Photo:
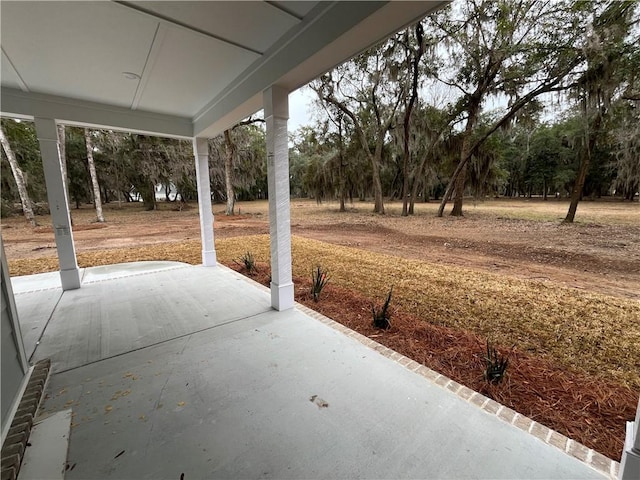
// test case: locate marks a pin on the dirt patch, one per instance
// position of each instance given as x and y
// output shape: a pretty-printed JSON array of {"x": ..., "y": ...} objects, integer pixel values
[
  {"x": 76, "y": 228},
  {"x": 589, "y": 257},
  {"x": 517, "y": 238}
]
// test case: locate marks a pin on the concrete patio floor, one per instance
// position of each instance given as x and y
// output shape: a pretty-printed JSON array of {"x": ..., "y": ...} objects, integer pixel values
[{"x": 174, "y": 370}]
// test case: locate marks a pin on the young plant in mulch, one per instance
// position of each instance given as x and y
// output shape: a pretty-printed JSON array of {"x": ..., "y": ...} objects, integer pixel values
[
  {"x": 496, "y": 365},
  {"x": 382, "y": 318},
  {"x": 319, "y": 278},
  {"x": 247, "y": 262}
]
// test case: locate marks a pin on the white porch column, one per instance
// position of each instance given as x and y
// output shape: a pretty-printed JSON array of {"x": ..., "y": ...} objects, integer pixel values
[
  {"x": 47, "y": 133},
  {"x": 276, "y": 114},
  {"x": 201, "y": 153},
  {"x": 630, "y": 462}
]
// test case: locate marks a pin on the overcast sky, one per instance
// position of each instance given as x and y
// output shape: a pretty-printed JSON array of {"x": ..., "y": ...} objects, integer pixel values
[{"x": 300, "y": 108}]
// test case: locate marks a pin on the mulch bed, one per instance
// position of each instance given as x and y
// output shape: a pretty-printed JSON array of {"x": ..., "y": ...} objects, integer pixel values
[{"x": 588, "y": 409}]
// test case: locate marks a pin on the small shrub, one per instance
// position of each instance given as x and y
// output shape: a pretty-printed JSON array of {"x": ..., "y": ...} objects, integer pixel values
[
  {"x": 319, "y": 279},
  {"x": 381, "y": 318},
  {"x": 247, "y": 262},
  {"x": 496, "y": 365}
]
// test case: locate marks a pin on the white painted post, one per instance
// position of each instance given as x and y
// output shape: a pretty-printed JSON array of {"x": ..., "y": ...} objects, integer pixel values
[
  {"x": 276, "y": 115},
  {"x": 630, "y": 462},
  {"x": 201, "y": 153},
  {"x": 47, "y": 133}
]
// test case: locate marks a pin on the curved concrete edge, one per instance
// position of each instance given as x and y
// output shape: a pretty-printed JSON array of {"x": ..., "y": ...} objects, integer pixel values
[
  {"x": 51, "y": 280},
  {"x": 129, "y": 269},
  {"x": 588, "y": 456}
]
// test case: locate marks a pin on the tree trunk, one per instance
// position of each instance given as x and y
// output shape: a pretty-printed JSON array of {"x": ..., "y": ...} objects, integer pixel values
[
  {"x": 417, "y": 180},
  {"x": 585, "y": 154},
  {"x": 27, "y": 208},
  {"x": 228, "y": 168},
  {"x": 576, "y": 193},
  {"x": 94, "y": 177},
  {"x": 378, "y": 206},
  {"x": 62, "y": 148},
  {"x": 147, "y": 191},
  {"x": 376, "y": 157},
  {"x": 458, "y": 193},
  {"x": 407, "y": 119},
  {"x": 405, "y": 178},
  {"x": 342, "y": 182},
  {"x": 459, "y": 177}
]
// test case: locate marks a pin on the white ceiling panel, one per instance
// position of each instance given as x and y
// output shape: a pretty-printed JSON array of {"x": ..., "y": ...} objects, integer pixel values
[
  {"x": 199, "y": 66},
  {"x": 298, "y": 8},
  {"x": 10, "y": 77},
  {"x": 193, "y": 68},
  {"x": 77, "y": 49},
  {"x": 255, "y": 25}
]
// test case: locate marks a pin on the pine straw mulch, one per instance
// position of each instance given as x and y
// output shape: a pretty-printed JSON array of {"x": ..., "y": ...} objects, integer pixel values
[
  {"x": 589, "y": 410},
  {"x": 575, "y": 365}
]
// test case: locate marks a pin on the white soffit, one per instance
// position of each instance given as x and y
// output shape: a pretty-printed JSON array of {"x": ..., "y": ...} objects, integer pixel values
[
  {"x": 193, "y": 68},
  {"x": 253, "y": 25},
  {"x": 76, "y": 49}
]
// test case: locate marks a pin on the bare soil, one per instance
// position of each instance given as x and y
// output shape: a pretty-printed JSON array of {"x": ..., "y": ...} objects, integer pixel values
[{"x": 521, "y": 239}]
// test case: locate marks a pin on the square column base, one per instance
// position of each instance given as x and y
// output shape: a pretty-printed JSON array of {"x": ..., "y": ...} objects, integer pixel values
[
  {"x": 630, "y": 463},
  {"x": 70, "y": 279},
  {"x": 282, "y": 296},
  {"x": 209, "y": 258}
]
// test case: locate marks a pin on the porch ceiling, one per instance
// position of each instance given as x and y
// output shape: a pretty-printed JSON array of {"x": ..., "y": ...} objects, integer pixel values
[{"x": 198, "y": 66}]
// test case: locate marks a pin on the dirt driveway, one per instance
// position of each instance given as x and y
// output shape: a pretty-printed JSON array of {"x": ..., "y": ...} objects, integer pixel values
[{"x": 523, "y": 239}]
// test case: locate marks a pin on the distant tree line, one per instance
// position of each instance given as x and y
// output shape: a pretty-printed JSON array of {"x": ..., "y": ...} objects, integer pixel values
[
  {"x": 131, "y": 167},
  {"x": 497, "y": 98}
]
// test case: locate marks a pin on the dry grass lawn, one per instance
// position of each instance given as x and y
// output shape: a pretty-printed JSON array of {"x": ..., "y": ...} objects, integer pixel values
[{"x": 589, "y": 332}]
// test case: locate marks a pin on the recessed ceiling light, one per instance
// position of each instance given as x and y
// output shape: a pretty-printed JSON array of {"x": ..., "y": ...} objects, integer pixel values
[{"x": 131, "y": 76}]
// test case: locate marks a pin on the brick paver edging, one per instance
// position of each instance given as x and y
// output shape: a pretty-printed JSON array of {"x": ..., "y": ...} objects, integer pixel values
[
  {"x": 595, "y": 460},
  {"x": 18, "y": 436}
]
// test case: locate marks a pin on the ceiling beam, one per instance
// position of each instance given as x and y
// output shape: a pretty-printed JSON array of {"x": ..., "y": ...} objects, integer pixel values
[
  {"x": 284, "y": 10},
  {"x": 183, "y": 25},
  {"x": 152, "y": 56},
  {"x": 15, "y": 103},
  {"x": 20, "y": 80}
]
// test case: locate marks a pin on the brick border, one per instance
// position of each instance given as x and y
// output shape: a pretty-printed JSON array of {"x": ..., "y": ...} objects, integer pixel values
[
  {"x": 590, "y": 457},
  {"x": 18, "y": 436}
]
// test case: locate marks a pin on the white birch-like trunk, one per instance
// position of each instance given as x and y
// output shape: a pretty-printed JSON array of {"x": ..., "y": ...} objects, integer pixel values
[
  {"x": 94, "y": 178},
  {"x": 228, "y": 168},
  {"x": 19, "y": 178},
  {"x": 62, "y": 148}
]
